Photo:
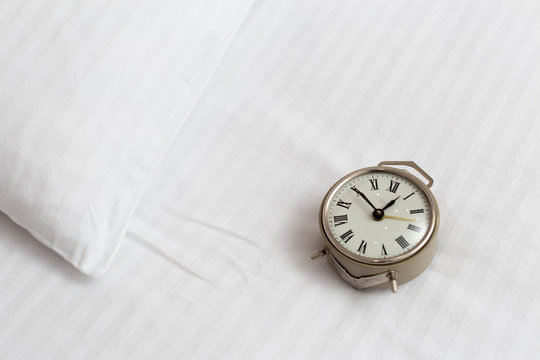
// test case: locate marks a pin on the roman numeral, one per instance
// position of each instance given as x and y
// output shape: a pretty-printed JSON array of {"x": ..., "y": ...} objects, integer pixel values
[
  {"x": 408, "y": 196},
  {"x": 383, "y": 251},
  {"x": 374, "y": 184},
  {"x": 417, "y": 211},
  {"x": 347, "y": 236},
  {"x": 340, "y": 219},
  {"x": 358, "y": 192},
  {"x": 362, "y": 247},
  {"x": 344, "y": 204},
  {"x": 393, "y": 186},
  {"x": 414, "y": 228},
  {"x": 402, "y": 242}
]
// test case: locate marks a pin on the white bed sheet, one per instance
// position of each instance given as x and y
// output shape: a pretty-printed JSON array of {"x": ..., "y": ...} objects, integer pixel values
[{"x": 216, "y": 261}]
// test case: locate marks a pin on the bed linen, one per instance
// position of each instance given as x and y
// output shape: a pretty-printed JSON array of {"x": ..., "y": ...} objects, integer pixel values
[
  {"x": 215, "y": 263},
  {"x": 89, "y": 108}
]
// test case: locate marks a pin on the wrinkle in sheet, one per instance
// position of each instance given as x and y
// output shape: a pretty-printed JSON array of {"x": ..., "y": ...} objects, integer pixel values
[
  {"x": 156, "y": 250},
  {"x": 214, "y": 228},
  {"x": 221, "y": 266},
  {"x": 229, "y": 258}
]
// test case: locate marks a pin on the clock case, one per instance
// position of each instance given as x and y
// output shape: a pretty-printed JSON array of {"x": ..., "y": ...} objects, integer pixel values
[{"x": 361, "y": 272}]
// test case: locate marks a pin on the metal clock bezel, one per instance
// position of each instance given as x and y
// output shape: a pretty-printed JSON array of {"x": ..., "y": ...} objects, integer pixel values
[{"x": 325, "y": 226}]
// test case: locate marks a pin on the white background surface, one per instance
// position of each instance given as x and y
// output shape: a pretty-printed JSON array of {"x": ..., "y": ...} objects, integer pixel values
[{"x": 216, "y": 261}]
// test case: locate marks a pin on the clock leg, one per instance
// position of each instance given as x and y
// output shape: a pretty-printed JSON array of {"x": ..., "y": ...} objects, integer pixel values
[{"x": 392, "y": 275}]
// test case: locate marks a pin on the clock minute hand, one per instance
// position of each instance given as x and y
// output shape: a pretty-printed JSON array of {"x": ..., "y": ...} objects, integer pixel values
[
  {"x": 364, "y": 197},
  {"x": 390, "y": 204},
  {"x": 369, "y": 202}
]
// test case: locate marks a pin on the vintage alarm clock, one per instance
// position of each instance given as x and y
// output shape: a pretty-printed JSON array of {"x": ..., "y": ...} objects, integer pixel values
[{"x": 379, "y": 225}]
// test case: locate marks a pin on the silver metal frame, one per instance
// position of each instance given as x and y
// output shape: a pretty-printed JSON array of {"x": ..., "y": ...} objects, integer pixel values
[
  {"x": 382, "y": 167},
  {"x": 367, "y": 281}
]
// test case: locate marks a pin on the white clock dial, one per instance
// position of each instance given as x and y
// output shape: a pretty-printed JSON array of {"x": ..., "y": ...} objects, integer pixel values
[{"x": 378, "y": 215}]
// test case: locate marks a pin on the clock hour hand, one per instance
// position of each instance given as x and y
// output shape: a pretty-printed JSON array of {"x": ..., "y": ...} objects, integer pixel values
[{"x": 390, "y": 204}]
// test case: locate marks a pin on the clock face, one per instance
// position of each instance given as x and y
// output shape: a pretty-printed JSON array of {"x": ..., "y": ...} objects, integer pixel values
[{"x": 378, "y": 215}]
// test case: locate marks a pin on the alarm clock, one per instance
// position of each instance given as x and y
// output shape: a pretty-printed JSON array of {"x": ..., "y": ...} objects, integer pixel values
[{"x": 379, "y": 225}]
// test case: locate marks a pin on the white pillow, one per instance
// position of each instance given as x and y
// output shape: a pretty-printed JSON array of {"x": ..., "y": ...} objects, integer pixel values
[{"x": 91, "y": 95}]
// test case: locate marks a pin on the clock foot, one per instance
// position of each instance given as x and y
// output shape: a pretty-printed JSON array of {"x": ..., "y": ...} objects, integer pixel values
[{"x": 392, "y": 275}]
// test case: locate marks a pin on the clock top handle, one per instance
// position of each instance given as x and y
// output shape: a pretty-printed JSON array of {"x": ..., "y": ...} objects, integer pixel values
[{"x": 411, "y": 164}]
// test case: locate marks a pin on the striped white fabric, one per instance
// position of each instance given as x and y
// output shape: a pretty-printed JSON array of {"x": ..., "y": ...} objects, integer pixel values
[{"x": 216, "y": 262}]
